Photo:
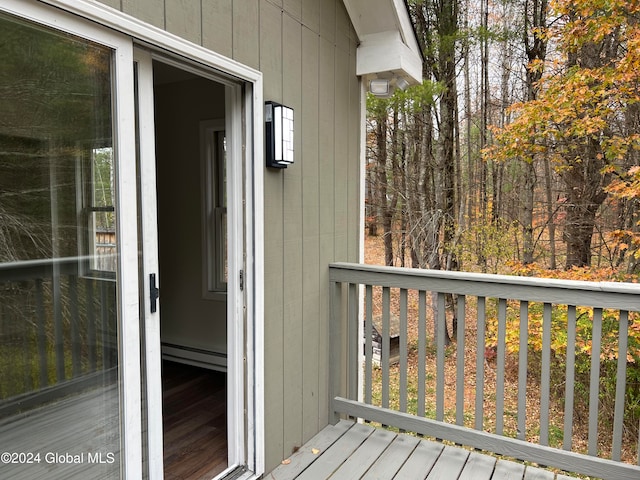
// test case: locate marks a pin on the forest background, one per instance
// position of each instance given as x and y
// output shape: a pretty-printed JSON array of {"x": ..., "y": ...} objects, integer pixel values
[{"x": 518, "y": 154}]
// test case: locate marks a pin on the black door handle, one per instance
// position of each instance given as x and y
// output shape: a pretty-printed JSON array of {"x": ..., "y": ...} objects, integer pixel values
[{"x": 154, "y": 293}]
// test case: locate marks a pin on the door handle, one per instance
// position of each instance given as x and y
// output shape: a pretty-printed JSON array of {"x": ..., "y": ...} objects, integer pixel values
[{"x": 154, "y": 293}]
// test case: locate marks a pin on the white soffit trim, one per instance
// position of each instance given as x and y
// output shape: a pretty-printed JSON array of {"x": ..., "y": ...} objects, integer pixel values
[
  {"x": 388, "y": 45},
  {"x": 385, "y": 52}
]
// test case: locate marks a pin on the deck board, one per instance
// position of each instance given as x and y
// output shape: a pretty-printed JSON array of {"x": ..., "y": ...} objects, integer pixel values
[
  {"x": 478, "y": 467},
  {"x": 449, "y": 465},
  {"x": 337, "y": 454},
  {"x": 355, "y": 451},
  {"x": 421, "y": 460},
  {"x": 532, "y": 473},
  {"x": 310, "y": 452},
  {"x": 392, "y": 459},
  {"x": 358, "y": 463},
  {"x": 506, "y": 470}
]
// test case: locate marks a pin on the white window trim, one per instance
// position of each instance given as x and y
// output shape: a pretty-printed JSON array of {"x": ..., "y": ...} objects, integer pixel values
[
  {"x": 213, "y": 252},
  {"x": 253, "y": 99}
]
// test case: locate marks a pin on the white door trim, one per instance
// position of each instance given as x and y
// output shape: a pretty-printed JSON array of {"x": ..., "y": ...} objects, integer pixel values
[
  {"x": 235, "y": 300},
  {"x": 149, "y": 223}
]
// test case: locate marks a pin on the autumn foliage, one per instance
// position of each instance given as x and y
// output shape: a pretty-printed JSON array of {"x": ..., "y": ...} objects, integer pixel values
[
  {"x": 585, "y": 117},
  {"x": 585, "y": 122}
]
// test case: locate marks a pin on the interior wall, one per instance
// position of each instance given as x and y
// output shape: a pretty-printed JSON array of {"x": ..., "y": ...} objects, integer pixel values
[{"x": 186, "y": 319}]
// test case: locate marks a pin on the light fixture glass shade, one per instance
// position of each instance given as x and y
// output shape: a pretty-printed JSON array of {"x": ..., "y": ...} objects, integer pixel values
[
  {"x": 402, "y": 83},
  {"x": 279, "y": 137},
  {"x": 379, "y": 87}
]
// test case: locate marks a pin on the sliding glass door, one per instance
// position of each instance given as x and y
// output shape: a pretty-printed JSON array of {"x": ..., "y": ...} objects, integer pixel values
[{"x": 62, "y": 252}]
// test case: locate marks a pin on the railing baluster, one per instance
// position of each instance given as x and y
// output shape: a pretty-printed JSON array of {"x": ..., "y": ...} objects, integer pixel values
[
  {"x": 502, "y": 328},
  {"x": 442, "y": 329},
  {"x": 352, "y": 342},
  {"x": 403, "y": 350},
  {"x": 479, "y": 412},
  {"x": 545, "y": 380},
  {"x": 27, "y": 355},
  {"x": 594, "y": 383},
  {"x": 42, "y": 335},
  {"x": 523, "y": 369},
  {"x": 104, "y": 325},
  {"x": 75, "y": 327},
  {"x": 621, "y": 382},
  {"x": 570, "y": 376},
  {"x": 422, "y": 351},
  {"x": 384, "y": 360},
  {"x": 58, "y": 328},
  {"x": 460, "y": 349},
  {"x": 91, "y": 325},
  {"x": 368, "y": 345}
]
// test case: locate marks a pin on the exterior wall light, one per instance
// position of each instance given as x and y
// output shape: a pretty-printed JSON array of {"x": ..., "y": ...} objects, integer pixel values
[
  {"x": 379, "y": 87},
  {"x": 401, "y": 83},
  {"x": 278, "y": 135}
]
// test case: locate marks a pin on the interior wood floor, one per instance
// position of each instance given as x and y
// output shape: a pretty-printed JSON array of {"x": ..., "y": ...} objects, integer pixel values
[{"x": 194, "y": 421}]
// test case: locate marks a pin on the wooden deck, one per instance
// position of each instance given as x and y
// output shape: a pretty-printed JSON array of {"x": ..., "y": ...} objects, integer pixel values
[
  {"x": 80, "y": 425},
  {"x": 84, "y": 424},
  {"x": 356, "y": 451}
]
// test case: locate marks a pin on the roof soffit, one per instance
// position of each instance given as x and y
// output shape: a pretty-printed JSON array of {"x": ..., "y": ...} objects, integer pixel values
[{"x": 388, "y": 46}]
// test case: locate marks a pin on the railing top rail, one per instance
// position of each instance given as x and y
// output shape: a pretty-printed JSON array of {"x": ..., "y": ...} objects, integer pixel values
[
  {"x": 39, "y": 268},
  {"x": 618, "y": 295}
]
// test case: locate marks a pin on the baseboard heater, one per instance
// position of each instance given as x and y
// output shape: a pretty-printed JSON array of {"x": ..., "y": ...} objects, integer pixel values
[{"x": 195, "y": 356}]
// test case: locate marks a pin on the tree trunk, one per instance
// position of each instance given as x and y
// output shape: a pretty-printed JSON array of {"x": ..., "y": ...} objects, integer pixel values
[
  {"x": 535, "y": 21},
  {"x": 382, "y": 185},
  {"x": 550, "y": 213}
]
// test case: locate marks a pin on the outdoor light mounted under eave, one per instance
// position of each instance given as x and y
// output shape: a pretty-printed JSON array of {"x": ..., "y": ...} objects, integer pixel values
[
  {"x": 384, "y": 87},
  {"x": 278, "y": 135}
]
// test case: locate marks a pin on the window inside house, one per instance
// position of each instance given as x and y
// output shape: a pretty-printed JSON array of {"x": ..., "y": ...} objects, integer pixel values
[
  {"x": 215, "y": 211},
  {"x": 98, "y": 226}
]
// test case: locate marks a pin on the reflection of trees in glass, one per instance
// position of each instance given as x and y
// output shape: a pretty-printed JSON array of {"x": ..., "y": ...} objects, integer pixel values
[
  {"x": 55, "y": 121},
  {"x": 55, "y": 95}
]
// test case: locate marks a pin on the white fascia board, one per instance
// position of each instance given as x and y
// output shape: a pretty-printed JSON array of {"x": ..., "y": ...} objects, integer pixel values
[
  {"x": 385, "y": 52},
  {"x": 406, "y": 25}
]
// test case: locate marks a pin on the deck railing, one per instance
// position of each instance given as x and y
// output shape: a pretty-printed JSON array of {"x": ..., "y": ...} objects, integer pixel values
[
  {"x": 540, "y": 370},
  {"x": 57, "y": 331}
]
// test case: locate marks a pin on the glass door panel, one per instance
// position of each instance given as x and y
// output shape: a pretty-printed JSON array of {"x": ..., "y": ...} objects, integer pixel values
[{"x": 59, "y": 361}]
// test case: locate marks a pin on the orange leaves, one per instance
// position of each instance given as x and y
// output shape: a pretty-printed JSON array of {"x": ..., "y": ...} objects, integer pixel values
[{"x": 583, "y": 101}]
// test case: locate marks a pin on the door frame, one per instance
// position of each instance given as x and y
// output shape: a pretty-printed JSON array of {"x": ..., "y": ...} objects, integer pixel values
[
  {"x": 236, "y": 245},
  {"x": 245, "y": 256},
  {"x": 245, "y": 348},
  {"x": 244, "y": 387}
]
